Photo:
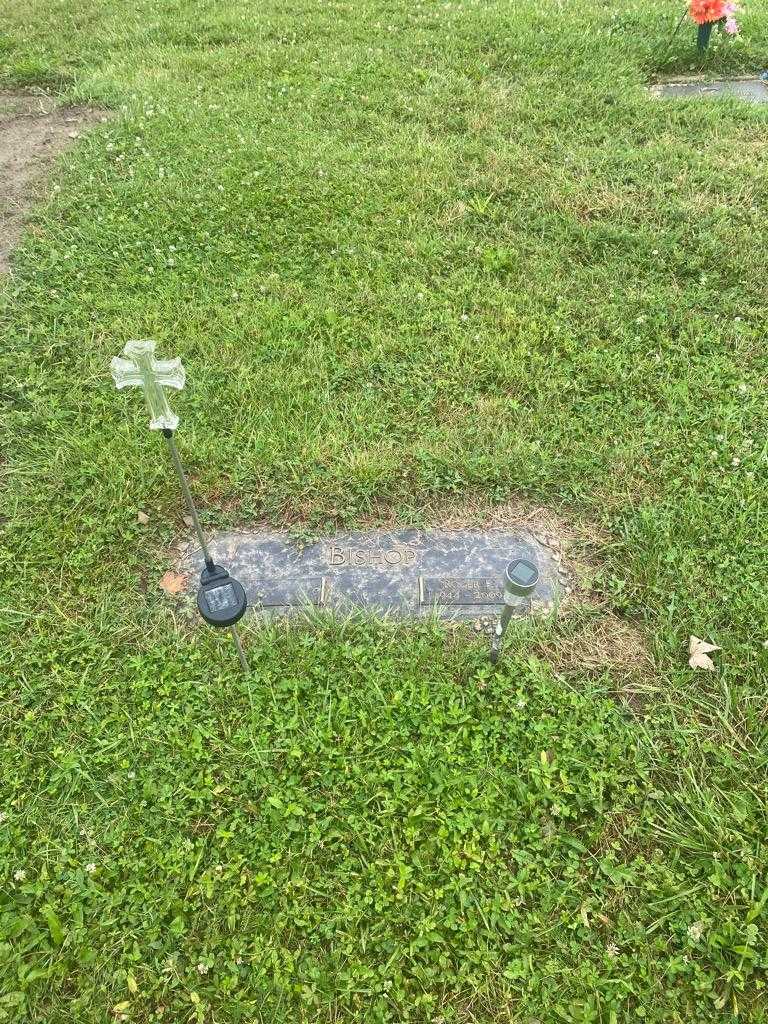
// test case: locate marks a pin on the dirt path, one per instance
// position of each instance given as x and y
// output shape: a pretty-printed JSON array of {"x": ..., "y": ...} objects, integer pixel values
[{"x": 33, "y": 131}]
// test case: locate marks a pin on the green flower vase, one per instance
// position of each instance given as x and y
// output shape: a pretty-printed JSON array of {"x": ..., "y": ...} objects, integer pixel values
[{"x": 705, "y": 32}]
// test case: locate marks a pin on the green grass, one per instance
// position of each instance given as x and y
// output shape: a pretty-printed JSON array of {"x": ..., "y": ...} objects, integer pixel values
[{"x": 409, "y": 253}]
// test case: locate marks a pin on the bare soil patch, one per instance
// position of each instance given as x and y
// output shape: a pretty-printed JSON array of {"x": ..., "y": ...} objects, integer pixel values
[
  {"x": 33, "y": 131},
  {"x": 589, "y": 637}
]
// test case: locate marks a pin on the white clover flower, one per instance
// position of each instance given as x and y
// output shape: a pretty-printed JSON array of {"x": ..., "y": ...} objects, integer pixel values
[
  {"x": 202, "y": 968},
  {"x": 90, "y": 868},
  {"x": 696, "y": 930},
  {"x": 612, "y": 949},
  {"x": 3, "y": 817},
  {"x": 20, "y": 875}
]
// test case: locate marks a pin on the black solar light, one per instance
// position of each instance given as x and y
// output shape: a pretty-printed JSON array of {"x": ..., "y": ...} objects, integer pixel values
[
  {"x": 221, "y": 599},
  {"x": 520, "y": 579}
]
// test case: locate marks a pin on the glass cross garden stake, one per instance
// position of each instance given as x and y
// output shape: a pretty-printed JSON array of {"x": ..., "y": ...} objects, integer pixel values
[
  {"x": 221, "y": 599},
  {"x": 140, "y": 369}
]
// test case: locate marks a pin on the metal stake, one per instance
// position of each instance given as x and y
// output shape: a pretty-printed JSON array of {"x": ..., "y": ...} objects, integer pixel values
[
  {"x": 168, "y": 435},
  {"x": 498, "y": 634},
  {"x": 239, "y": 646},
  {"x": 209, "y": 564}
]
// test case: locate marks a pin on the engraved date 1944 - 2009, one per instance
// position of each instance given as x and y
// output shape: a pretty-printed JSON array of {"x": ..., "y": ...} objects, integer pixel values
[{"x": 375, "y": 558}]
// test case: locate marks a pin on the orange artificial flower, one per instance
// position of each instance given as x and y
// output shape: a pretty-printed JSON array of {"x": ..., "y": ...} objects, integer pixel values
[{"x": 702, "y": 11}]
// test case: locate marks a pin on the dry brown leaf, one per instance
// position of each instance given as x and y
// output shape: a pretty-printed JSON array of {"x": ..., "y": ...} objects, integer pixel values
[
  {"x": 173, "y": 582},
  {"x": 189, "y": 521},
  {"x": 699, "y": 651},
  {"x": 142, "y": 518}
]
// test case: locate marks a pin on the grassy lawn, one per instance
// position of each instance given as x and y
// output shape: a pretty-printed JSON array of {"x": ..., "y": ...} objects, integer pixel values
[{"x": 412, "y": 254}]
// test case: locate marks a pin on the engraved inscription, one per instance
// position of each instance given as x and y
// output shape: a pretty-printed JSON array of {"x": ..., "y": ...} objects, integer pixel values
[
  {"x": 377, "y": 558},
  {"x": 460, "y": 591},
  {"x": 287, "y": 593}
]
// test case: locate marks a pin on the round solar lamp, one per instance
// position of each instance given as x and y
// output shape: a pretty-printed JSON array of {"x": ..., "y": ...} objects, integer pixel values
[{"x": 520, "y": 579}]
